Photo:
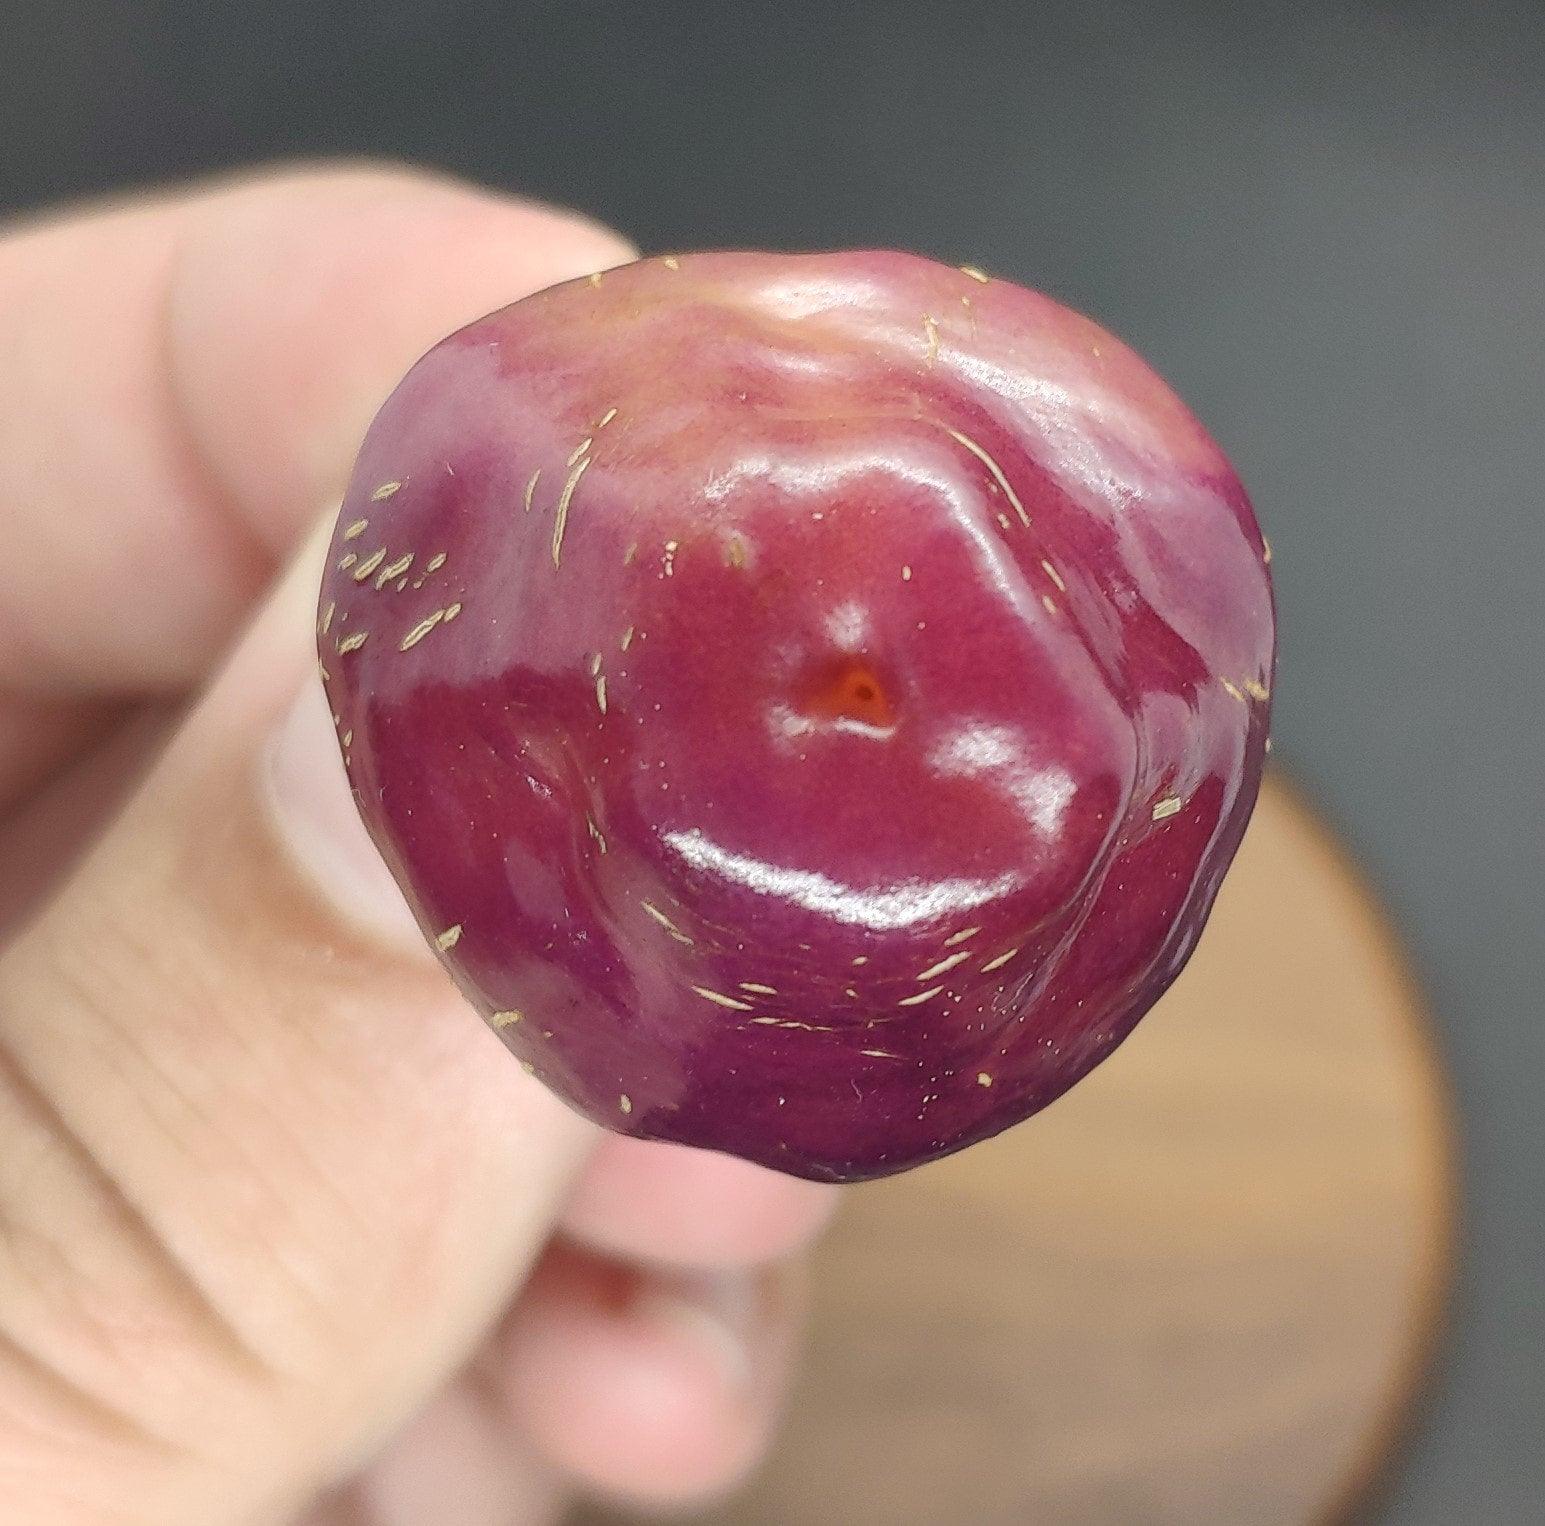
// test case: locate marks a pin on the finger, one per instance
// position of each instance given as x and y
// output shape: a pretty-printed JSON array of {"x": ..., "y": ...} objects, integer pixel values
[
  {"x": 39, "y": 733},
  {"x": 680, "y": 1365},
  {"x": 458, "y": 1463},
  {"x": 654, "y": 1389},
  {"x": 42, "y": 738},
  {"x": 41, "y": 842},
  {"x": 263, "y": 1179},
  {"x": 164, "y": 434},
  {"x": 278, "y": 1176},
  {"x": 167, "y": 432},
  {"x": 669, "y": 1205}
]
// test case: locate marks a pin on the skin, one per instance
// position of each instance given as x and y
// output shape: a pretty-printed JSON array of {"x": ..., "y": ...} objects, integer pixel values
[
  {"x": 810, "y": 702},
  {"x": 282, "y": 1238}
]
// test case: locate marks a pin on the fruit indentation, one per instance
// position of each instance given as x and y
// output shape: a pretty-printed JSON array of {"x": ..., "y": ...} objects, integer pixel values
[{"x": 850, "y": 690}]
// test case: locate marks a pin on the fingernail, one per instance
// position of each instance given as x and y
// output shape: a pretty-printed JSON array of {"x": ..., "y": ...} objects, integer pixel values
[
  {"x": 717, "y": 1313},
  {"x": 314, "y": 813},
  {"x": 302, "y": 775}
]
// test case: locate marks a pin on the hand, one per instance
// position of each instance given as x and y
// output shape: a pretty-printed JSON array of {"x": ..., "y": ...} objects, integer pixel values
[{"x": 284, "y": 1233}]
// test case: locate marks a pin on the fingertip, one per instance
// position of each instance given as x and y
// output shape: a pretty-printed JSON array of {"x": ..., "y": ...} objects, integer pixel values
[
  {"x": 653, "y": 1389},
  {"x": 190, "y": 376},
  {"x": 302, "y": 295}
]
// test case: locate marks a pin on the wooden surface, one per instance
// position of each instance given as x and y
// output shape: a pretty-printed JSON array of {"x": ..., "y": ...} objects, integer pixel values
[{"x": 1200, "y": 1288}]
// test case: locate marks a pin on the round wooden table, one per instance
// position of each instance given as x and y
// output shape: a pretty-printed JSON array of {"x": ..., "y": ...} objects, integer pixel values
[{"x": 1202, "y": 1287}]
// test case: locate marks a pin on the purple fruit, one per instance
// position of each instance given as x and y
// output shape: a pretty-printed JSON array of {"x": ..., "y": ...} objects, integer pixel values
[{"x": 810, "y": 701}]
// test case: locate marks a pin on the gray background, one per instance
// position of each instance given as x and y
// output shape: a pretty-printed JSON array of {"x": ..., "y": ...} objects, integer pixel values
[{"x": 1326, "y": 226}]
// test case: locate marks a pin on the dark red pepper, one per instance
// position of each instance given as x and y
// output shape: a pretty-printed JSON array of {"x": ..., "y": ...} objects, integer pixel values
[{"x": 810, "y": 701}]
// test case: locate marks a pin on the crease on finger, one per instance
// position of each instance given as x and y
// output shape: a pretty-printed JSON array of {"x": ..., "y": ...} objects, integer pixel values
[
  {"x": 127, "y": 1217},
  {"x": 111, "y": 1421}
]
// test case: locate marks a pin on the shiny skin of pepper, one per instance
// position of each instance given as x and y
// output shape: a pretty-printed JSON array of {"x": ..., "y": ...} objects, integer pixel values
[{"x": 810, "y": 701}]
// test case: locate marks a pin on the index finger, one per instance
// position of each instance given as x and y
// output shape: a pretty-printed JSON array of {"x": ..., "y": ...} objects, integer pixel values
[{"x": 167, "y": 428}]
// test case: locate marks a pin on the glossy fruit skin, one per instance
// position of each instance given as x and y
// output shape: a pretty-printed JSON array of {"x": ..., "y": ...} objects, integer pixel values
[{"x": 810, "y": 701}]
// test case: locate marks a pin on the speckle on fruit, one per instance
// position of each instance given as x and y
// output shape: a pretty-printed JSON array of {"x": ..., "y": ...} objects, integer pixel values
[
  {"x": 421, "y": 630},
  {"x": 393, "y": 570},
  {"x": 721, "y": 1000},
  {"x": 996, "y": 470},
  {"x": 947, "y": 963},
  {"x": 561, "y": 514},
  {"x": 665, "y": 922}
]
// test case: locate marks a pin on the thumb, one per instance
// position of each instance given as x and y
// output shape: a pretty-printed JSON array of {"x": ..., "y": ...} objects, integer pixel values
[{"x": 263, "y": 1177}]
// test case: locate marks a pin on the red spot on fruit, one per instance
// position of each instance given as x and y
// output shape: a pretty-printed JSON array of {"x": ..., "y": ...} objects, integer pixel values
[{"x": 851, "y": 691}]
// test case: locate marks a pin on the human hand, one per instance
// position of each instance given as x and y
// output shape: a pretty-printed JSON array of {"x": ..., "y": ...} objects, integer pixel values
[{"x": 284, "y": 1233}]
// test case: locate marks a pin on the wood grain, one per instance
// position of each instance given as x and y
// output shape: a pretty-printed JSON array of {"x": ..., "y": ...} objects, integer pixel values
[{"x": 1200, "y": 1288}]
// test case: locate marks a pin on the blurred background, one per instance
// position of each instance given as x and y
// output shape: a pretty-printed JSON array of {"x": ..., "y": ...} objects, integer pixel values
[{"x": 1325, "y": 223}]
